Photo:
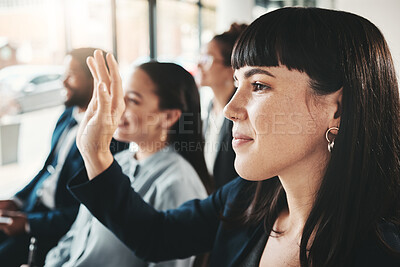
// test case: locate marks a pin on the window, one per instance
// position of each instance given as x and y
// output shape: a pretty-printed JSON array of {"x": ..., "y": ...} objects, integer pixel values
[
  {"x": 45, "y": 78},
  {"x": 88, "y": 23},
  {"x": 132, "y": 23},
  {"x": 40, "y": 32},
  {"x": 33, "y": 30},
  {"x": 178, "y": 32}
]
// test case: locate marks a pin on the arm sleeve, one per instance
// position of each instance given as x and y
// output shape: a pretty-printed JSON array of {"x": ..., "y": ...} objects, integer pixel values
[
  {"x": 52, "y": 223},
  {"x": 153, "y": 235}
]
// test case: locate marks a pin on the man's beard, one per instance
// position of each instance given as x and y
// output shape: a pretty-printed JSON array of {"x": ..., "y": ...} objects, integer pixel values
[{"x": 76, "y": 100}]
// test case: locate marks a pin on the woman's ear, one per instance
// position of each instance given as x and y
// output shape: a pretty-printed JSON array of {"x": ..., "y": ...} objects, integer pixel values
[
  {"x": 335, "y": 100},
  {"x": 171, "y": 117}
]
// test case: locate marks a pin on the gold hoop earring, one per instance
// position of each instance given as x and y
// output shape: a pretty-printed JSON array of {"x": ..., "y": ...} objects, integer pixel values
[
  {"x": 163, "y": 135},
  {"x": 330, "y": 143}
]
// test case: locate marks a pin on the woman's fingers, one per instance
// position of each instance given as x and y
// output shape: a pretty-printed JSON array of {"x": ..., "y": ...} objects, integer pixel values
[
  {"x": 99, "y": 123},
  {"x": 117, "y": 94},
  {"x": 104, "y": 101},
  {"x": 92, "y": 107},
  {"x": 92, "y": 67},
  {"x": 101, "y": 68},
  {"x": 113, "y": 66},
  {"x": 98, "y": 126},
  {"x": 82, "y": 130},
  {"x": 114, "y": 74},
  {"x": 107, "y": 102}
]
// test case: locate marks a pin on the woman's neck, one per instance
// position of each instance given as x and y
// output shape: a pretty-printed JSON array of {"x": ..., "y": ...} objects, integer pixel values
[
  {"x": 301, "y": 186},
  {"x": 145, "y": 150}
]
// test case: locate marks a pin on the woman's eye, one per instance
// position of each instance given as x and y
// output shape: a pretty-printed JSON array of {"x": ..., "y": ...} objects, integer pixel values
[
  {"x": 260, "y": 87},
  {"x": 132, "y": 100}
]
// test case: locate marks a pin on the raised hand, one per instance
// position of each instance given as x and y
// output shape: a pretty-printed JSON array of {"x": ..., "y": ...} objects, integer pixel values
[{"x": 102, "y": 115}]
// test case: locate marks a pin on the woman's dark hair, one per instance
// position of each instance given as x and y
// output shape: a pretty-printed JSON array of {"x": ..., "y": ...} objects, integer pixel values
[
  {"x": 227, "y": 40},
  {"x": 176, "y": 89},
  {"x": 361, "y": 187}
]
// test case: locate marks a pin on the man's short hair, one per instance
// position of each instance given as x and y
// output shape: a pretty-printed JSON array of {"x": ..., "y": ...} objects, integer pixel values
[{"x": 81, "y": 54}]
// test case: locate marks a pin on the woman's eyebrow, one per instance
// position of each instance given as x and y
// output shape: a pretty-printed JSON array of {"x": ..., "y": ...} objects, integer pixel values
[
  {"x": 134, "y": 93},
  {"x": 254, "y": 71}
]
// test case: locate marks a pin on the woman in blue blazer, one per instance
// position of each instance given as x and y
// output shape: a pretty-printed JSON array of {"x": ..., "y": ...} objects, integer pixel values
[{"x": 316, "y": 136}]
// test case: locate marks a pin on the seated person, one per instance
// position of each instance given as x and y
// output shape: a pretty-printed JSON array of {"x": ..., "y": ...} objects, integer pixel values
[
  {"x": 322, "y": 189},
  {"x": 159, "y": 170},
  {"x": 44, "y": 208},
  {"x": 216, "y": 72}
]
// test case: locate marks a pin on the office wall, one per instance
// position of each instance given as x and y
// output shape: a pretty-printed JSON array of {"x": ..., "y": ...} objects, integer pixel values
[
  {"x": 229, "y": 11},
  {"x": 383, "y": 13}
]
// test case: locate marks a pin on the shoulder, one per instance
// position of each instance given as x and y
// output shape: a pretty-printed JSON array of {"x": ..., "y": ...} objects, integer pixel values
[
  {"x": 175, "y": 171},
  {"x": 123, "y": 157},
  {"x": 174, "y": 181},
  {"x": 237, "y": 185},
  {"x": 236, "y": 191},
  {"x": 174, "y": 165}
]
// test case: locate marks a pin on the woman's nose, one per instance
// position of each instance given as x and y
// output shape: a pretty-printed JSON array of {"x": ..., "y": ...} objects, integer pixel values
[{"x": 236, "y": 107}]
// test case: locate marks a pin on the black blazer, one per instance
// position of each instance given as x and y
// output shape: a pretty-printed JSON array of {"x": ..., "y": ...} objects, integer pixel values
[
  {"x": 224, "y": 170},
  {"x": 192, "y": 229}
]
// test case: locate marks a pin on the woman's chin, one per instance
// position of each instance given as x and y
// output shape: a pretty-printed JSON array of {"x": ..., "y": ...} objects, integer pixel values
[
  {"x": 251, "y": 174},
  {"x": 120, "y": 136}
]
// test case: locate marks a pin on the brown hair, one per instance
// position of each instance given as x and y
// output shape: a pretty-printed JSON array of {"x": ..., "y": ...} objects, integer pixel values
[
  {"x": 81, "y": 54},
  {"x": 227, "y": 41},
  {"x": 176, "y": 89}
]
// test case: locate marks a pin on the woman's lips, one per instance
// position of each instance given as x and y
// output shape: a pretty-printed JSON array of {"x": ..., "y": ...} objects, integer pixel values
[{"x": 240, "y": 139}]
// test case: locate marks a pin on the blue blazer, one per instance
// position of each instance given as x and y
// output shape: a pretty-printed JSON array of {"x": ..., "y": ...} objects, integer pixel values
[
  {"x": 192, "y": 229},
  {"x": 56, "y": 222}
]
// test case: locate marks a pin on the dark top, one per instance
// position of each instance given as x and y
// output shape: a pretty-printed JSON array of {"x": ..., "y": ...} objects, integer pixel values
[
  {"x": 253, "y": 258},
  {"x": 192, "y": 229}
]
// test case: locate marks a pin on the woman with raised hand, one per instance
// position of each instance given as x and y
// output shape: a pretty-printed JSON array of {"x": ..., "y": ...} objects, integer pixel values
[
  {"x": 316, "y": 136},
  {"x": 162, "y": 118}
]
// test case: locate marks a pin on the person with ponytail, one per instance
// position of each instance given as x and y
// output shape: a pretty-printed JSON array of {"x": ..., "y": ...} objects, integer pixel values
[{"x": 165, "y": 163}]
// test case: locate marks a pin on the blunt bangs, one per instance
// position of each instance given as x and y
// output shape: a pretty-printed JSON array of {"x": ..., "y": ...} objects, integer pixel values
[{"x": 293, "y": 37}]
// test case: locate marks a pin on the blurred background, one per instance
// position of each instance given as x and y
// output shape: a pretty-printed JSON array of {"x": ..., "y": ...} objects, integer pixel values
[{"x": 36, "y": 34}]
